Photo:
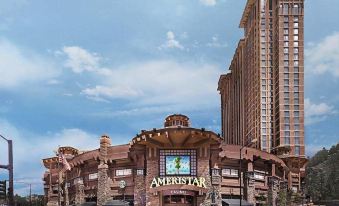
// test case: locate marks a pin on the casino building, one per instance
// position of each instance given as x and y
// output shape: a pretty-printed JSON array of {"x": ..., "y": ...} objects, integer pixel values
[{"x": 173, "y": 165}]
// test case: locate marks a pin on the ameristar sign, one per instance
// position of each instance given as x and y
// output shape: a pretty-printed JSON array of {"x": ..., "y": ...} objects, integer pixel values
[{"x": 162, "y": 181}]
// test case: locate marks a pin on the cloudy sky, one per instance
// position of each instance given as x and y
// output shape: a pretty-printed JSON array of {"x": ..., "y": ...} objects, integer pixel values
[{"x": 73, "y": 70}]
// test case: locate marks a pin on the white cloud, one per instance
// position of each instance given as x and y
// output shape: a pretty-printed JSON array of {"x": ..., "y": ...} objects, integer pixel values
[
  {"x": 19, "y": 66},
  {"x": 208, "y": 2},
  {"x": 323, "y": 57},
  {"x": 317, "y": 112},
  {"x": 171, "y": 42},
  {"x": 30, "y": 149},
  {"x": 158, "y": 83},
  {"x": 216, "y": 43},
  {"x": 80, "y": 60}
]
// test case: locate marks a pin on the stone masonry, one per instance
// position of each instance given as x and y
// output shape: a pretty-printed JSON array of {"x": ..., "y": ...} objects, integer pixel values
[
  {"x": 79, "y": 192},
  {"x": 139, "y": 190},
  {"x": 273, "y": 188},
  {"x": 103, "y": 193},
  {"x": 152, "y": 171},
  {"x": 250, "y": 189}
]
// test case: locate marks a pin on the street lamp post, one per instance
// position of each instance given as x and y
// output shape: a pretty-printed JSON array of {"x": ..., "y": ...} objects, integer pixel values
[
  {"x": 9, "y": 167},
  {"x": 240, "y": 166}
]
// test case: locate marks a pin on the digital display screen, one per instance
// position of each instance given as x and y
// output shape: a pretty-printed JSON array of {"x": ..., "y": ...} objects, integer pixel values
[{"x": 178, "y": 165}]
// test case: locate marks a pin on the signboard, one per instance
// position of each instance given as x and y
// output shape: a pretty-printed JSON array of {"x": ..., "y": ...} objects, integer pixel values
[
  {"x": 178, "y": 192},
  {"x": 178, "y": 165},
  {"x": 163, "y": 181}
]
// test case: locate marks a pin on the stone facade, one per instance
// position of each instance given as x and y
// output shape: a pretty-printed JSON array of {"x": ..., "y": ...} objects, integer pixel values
[
  {"x": 103, "y": 192},
  {"x": 139, "y": 190},
  {"x": 273, "y": 188},
  {"x": 250, "y": 187},
  {"x": 152, "y": 171},
  {"x": 79, "y": 192},
  {"x": 95, "y": 175}
]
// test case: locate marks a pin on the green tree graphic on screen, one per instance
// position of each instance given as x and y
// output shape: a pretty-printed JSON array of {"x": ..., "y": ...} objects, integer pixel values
[{"x": 177, "y": 161}]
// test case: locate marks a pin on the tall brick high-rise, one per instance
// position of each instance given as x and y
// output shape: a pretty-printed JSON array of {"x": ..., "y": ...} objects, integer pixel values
[{"x": 262, "y": 96}]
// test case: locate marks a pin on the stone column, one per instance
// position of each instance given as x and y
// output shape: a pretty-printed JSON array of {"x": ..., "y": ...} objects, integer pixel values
[
  {"x": 204, "y": 171},
  {"x": 213, "y": 196},
  {"x": 103, "y": 192},
  {"x": 66, "y": 194},
  {"x": 79, "y": 192},
  {"x": 250, "y": 189},
  {"x": 273, "y": 188},
  {"x": 139, "y": 188},
  {"x": 152, "y": 171}
]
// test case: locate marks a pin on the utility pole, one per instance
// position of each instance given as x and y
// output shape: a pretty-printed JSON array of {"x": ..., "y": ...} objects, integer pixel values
[{"x": 9, "y": 167}]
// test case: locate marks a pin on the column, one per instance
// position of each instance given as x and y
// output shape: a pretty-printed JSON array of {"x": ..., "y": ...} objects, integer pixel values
[
  {"x": 249, "y": 186},
  {"x": 103, "y": 192},
  {"x": 139, "y": 188},
  {"x": 273, "y": 188},
  {"x": 152, "y": 171},
  {"x": 79, "y": 192}
]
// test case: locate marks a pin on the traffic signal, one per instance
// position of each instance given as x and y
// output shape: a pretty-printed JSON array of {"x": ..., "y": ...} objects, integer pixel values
[{"x": 3, "y": 189}]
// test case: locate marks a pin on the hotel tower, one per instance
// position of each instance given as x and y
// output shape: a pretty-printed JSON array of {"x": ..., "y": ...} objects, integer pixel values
[{"x": 262, "y": 95}]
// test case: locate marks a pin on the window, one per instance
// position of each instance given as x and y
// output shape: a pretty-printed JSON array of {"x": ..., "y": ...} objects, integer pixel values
[
  {"x": 287, "y": 127},
  {"x": 296, "y": 140},
  {"x": 285, "y": 18},
  {"x": 140, "y": 172},
  {"x": 296, "y": 89},
  {"x": 295, "y": 18},
  {"x": 296, "y": 107},
  {"x": 295, "y": 31},
  {"x": 285, "y": 75},
  {"x": 123, "y": 172},
  {"x": 286, "y": 63},
  {"x": 286, "y": 88},
  {"x": 296, "y": 76},
  {"x": 259, "y": 176},
  {"x": 297, "y": 150},
  {"x": 296, "y": 63},
  {"x": 296, "y": 56},
  {"x": 286, "y": 57},
  {"x": 296, "y": 24},
  {"x": 296, "y": 69},
  {"x": 296, "y": 113},
  {"x": 296, "y": 50},
  {"x": 295, "y": 37},
  {"x": 286, "y": 37},
  {"x": 286, "y": 50},
  {"x": 286, "y": 107},
  {"x": 286, "y": 31},
  {"x": 286, "y": 69},
  {"x": 286, "y": 113},
  {"x": 287, "y": 140},
  {"x": 286, "y": 82},
  {"x": 297, "y": 127},
  {"x": 295, "y": 43},
  {"x": 229, "y": 172},
  {"x": 296, "y": 120},
  {"x": 93, "y": 176}
]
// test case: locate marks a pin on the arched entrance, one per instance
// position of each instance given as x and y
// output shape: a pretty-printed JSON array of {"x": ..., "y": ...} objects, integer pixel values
[{"x": 178, "y": 197}]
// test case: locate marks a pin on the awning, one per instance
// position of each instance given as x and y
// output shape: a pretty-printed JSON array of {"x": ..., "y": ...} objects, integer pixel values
[{"x": 235, "y": 202}]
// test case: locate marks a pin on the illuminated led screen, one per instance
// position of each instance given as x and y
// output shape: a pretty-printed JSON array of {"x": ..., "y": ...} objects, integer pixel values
[{"x": 178, "y": 165}]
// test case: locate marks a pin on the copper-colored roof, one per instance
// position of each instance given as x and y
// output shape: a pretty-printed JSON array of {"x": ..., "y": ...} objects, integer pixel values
[{"x": 233, "y": 152}]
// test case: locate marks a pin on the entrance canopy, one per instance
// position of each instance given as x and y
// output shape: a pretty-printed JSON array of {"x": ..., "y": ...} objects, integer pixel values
[{"x": 235, "y": 202}]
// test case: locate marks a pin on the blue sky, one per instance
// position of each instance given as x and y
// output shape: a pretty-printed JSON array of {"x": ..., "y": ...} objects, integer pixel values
[{"x": 73, "y": 70}]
